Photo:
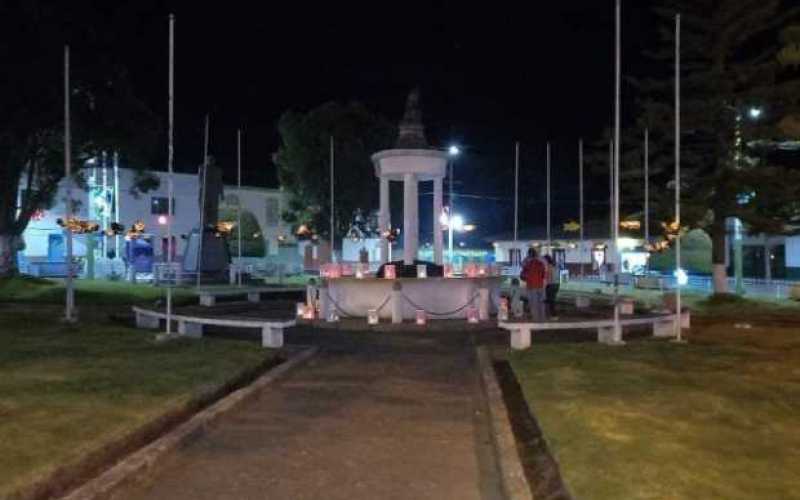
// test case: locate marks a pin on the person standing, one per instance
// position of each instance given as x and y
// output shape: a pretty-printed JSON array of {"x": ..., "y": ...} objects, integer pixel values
[
  {"x": 553, "y": 285},
  {"x": 533, "y": 274}
]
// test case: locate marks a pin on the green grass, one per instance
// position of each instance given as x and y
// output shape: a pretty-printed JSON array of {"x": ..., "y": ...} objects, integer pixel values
[
  {"x": 97, "y": 292},
  {"x": 66, "y": 391},
  {"x": 717, "y": 418}
]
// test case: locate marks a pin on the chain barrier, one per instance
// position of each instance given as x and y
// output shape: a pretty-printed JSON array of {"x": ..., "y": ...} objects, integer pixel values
[
  {"x": 346, "y": 314},
  {"x": 449, "y": 313}
]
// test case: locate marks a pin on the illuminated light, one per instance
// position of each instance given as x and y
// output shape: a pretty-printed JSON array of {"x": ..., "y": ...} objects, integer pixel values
[
  {"x": 332, "y": 317},
  {"x": 458, "y": 223},
  {"x": 162, "y": 220},
  {"x": 422, "y": 318},
  {"x": 443, "y": 219},
  {"x": 481, "y": 270},
  {"x": 502, "y": 311},
  {"x": 360, "y": 270},
  {"x": 422, "y": 271},
  {"x": 389, "y": 271},
  {"x": 469, "y": 227},
  {"x": 471, "y": 270},
  {"x": 372, "y": 317},
  {"x": 755, "y": 113},
  {"x": 462, "y": 244},
  {"x": 301, "y": 309},
  {"x": 630, "y": 224},
  {"x": 454, "y": 150},
  {"x": 682, "y": 277},
  {"x": 472, "y": 314},
  {"x": 571, "y": 227},
  {"x": 309, "y": 311},
  {"x": 448, "y": 270}
]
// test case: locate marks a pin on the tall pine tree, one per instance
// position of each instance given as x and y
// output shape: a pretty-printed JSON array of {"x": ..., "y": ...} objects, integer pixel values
[{"x": 730, "y": 68}]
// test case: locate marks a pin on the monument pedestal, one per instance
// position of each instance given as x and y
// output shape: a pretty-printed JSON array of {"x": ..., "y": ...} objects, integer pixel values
[{"x": 215, "y": 256}]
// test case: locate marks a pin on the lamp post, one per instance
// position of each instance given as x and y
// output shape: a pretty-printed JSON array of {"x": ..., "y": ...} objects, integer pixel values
[{"x": 453, "y": 151}]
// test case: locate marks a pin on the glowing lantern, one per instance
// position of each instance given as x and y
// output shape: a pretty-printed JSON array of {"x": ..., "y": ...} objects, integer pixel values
[
  {"x": 301, "y": 309},
  {"x": 372, "y": 317},
  {"x": 422, "y": 271},
  {"x": 309, "y": 311},
  {"x": 389, "y": 272},
  {"x": 502, "y": 311},
  {"x": 472, "y": 314},
  {"x": 422, "y": 318}
]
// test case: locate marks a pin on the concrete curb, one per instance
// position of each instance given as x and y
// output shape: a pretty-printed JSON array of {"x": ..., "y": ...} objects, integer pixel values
[
  {"x": 512, "y": 477},
  {"x": 144, "y": 459}
]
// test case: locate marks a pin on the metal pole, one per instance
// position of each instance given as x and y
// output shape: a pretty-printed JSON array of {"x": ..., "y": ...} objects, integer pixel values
[
  {"x": 580, "y": 197},
  {"x": 116, "y": 202},
  {"x": 516, "y": 192},
  {"x": 647, "y": 186},
  {"x": 549, "y": 241},
  {"x": 617, "y": 106},
  {"x": 239, "y": 202},
  {"x": 170, "y": 158},
  {"x": 333, "y": 216},
  {"x": 678, "y": 332},
  {"x": 451, "y": 213},
  {"x": 69, "y": 315},
  {"x": 202, "y": 204}
]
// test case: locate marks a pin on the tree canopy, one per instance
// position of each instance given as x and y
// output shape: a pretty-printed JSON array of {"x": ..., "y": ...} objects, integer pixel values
[
  {"x": 304, "y": 163},
  {"x": 730, "y": 66}
]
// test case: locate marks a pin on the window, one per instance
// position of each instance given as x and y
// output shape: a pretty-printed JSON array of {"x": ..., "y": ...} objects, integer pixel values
[
  {"x": 272, "y": 212},
  {"x": 159, "y": 205}
]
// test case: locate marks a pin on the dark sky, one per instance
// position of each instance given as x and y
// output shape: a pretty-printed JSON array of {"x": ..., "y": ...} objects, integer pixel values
[{"x": 490, "y": 74}]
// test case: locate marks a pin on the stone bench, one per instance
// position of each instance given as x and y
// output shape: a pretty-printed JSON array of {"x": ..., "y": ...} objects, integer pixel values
[
  {"x": 208, "y": 296},
  {"x": 663, "y": 326},
  {"x": 192, "y": 326}
]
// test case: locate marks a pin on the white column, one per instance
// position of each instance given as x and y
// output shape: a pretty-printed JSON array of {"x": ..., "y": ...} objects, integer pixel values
[
  {"x": 410, "y": 218},
  {"x": 438, "y": 242},
  {"x": 384, "y": 218}
]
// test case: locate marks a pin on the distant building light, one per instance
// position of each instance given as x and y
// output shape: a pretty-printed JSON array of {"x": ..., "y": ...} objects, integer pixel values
[
  {"x": 454, "y": 150},
  {"x": 162, "y": 220},
  {"x": 755, "y": 113}
]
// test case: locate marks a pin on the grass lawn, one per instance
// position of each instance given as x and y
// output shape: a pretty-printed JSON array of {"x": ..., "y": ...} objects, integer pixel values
[
  {"x": 717, "y": 418},
  {"x": 66, "y": 391}
]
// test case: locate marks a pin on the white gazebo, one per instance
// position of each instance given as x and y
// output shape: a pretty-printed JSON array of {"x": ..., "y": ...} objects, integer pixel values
[{"x": 411, "y": 161}]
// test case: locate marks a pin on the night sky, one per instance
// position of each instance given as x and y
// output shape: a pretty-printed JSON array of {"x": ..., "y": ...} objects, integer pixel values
[{"x": 489, "y": 74}]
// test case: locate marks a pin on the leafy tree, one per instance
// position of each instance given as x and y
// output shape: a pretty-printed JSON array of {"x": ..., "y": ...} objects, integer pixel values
[
  {"x": 304, "y": 163},
  {"x": 730, "y": 65},
  {"x": 252, "y": 237},
  {"x": 106, "y": 115}
]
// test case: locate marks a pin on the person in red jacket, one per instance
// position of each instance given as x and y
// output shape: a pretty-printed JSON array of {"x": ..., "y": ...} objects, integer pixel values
[{"x": 534, "y": 273}]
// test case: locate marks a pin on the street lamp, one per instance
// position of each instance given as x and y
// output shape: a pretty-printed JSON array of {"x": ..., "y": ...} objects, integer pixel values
[
  {"x": 755, "y": 113},
  {"x": 453, "y": 151}
]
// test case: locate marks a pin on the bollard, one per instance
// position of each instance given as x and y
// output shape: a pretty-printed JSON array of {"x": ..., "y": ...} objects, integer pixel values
[
  {"x": 483, "y": 303},
  {"x": 311, "y": 292},
  {"x": 324, "y": 303},
  {"x": 396, "y": 302}
]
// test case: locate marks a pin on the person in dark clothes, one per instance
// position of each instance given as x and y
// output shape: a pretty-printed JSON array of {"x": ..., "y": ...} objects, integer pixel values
[{"x": 553, "y": 281}]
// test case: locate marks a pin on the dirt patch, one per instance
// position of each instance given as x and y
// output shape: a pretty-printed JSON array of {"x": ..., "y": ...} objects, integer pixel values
[{"x": 541, "y": 469}]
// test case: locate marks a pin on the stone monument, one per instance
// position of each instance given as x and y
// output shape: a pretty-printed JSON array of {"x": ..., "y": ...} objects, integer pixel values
[{"x": 211, "y": 258}]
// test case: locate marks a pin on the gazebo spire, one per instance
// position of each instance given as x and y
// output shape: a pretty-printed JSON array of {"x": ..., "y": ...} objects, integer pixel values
[{"x": 412, "y": 132}]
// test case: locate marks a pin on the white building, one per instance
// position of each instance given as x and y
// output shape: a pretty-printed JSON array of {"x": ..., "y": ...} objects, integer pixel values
[{"x": 44, "y": 238}]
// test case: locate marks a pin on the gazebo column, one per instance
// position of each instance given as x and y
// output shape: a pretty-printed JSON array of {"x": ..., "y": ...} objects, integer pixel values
[
  {"x": 410, "y": 218},
  {"x": 437, "y": 225},
  {"x": 384, "y": 218}
]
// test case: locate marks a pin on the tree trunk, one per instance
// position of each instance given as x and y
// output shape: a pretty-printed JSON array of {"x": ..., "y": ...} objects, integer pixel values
[
  {"x": 8, "y": 254},
  {"x": 718, "y": 251}
]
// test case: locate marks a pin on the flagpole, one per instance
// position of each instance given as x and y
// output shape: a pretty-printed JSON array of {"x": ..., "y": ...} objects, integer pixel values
[
  {"x": 333, "y": 220},
  {"x": 204, "y": 168},
  {"x": 170, "y": 159},
  {"x": 516, "y": 192},
  {"x": 239, "y": 202},
  {"x": 678, "y": 326},
  {"x": 580, "y": 197},
  {"x": 647, "y": 186},
  {"x": 69, "y": 313},
  {"x": 617, "y": 106},
  {"x": 549, "y": 241}
]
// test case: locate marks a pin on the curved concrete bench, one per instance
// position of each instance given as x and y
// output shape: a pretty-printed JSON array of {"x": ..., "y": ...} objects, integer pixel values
[
  {"x": 192, "y": 326},
  {"x": 663, "y": 326},
  {"x": 208, "y": 296}
]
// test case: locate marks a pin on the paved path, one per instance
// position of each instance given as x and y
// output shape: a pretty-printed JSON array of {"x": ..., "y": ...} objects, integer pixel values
[{"x": 392, "y": 419}]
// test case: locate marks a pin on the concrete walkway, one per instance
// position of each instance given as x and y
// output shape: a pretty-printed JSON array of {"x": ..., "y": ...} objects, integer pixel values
[{"x": 374, "y": 416}]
